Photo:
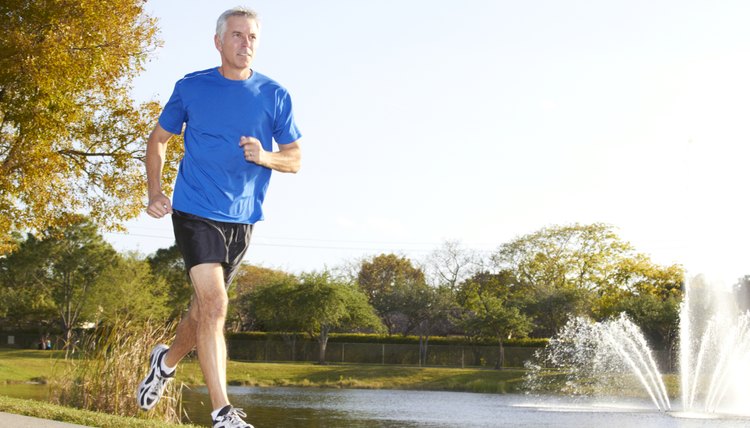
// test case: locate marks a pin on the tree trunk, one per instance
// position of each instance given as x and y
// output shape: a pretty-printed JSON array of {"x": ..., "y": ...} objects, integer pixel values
[
  {"x": 421, "y": 349},
  {"x": 423, "y": 343},
  {"x": 68, "y": 330},
  {"x": 290, "y": 340},
  {"x": 322, "y": 343},
  {"x": 500, "y": 355}
]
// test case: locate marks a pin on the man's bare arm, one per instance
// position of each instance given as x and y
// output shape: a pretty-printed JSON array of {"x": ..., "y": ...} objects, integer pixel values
[
  {"x": 159, "y": 204},
  {"x": 287, "y": 159}
]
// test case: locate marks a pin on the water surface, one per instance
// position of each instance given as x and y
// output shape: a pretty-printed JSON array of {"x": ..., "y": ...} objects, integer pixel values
[
  {"x": 312, "y": 407},
  {"x": 355, "y": 408}
]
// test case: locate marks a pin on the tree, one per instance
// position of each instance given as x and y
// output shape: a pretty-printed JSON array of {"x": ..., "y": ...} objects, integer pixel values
[
  {"x": 127, "y": 289},
  {"x": 451, "y": 264},
  {"x": 317, "y": 304},
  {"x": 384, "y": 280},
  {"x": 272, "y": 305},
  {"x": 243, "y": 316},
  {"x": 427, "y": 310},
  {"x": 490, "y": 309},
  {"x": 562, "y": 268},
  {"x": 649, "y": 293},
  {"x": 168, "y": 265},
  {"x": 25, "y": 300},
  {"x": 63, "y": 268},
  {"x": 71, "y": 138}
]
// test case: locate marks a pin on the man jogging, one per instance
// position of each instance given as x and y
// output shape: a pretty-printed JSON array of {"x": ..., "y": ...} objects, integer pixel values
[{"x": 232, "y": 114}]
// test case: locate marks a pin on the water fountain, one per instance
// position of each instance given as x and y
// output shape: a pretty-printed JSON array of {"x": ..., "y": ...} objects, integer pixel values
[
  {"x": 714, "y": 350},
  {"x": 612, "y": 357}
]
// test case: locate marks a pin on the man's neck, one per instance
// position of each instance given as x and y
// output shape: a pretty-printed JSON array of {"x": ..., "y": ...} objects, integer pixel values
[{"x": 235, "y": 73}]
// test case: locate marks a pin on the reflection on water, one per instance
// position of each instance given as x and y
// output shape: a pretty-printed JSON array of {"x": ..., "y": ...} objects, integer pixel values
[
  {"x": 309, "y": 407},
  {"x": 31, "y": 391},
  {"x": 334, "y": 408},
  {"x": 353, "y": 408}
]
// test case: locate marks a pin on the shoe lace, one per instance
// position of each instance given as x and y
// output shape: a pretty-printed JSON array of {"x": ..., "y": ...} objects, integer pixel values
[
  {"x": 235, "y": 416},
  {"x": 158, "y": 386}
]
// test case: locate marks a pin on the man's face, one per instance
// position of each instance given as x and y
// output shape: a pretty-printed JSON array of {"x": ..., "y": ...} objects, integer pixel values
[{"x": 239, "y": 42}]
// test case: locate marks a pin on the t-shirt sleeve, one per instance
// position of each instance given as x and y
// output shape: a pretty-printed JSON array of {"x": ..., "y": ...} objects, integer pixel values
[
  {"x": 285, "y": 130},
  {"x": 173, "y": 115}
]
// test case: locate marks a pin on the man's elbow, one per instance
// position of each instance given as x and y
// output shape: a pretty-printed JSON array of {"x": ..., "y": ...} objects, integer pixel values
[
  {"x": 296, "y": 161},
  {"x": 295, "y": 166},
  {"x": 290, "y": 158}
]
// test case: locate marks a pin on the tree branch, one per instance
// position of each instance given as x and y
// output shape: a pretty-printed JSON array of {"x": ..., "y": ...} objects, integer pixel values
[{"x": 71, "y": 152}]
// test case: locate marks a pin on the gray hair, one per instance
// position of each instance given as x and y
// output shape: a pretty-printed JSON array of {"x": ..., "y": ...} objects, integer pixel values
[{"x": 221, "y": 23}]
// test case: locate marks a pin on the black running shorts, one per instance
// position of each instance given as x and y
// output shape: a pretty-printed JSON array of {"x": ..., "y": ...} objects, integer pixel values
[{"x": 201, "y": 240}]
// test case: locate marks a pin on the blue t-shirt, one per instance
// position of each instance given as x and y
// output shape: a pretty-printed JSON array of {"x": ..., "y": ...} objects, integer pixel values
[{"x": 214, "y": 180}]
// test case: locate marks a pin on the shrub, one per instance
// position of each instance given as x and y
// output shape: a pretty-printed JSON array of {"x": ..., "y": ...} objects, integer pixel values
[{"x": 111, "y": 364}]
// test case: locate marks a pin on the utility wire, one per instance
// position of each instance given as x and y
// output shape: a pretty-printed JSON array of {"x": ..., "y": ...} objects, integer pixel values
[{"x": 317, "y": 247}]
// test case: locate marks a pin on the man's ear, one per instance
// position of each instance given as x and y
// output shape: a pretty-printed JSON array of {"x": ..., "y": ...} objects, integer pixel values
[{"x": 217, "y": 42}]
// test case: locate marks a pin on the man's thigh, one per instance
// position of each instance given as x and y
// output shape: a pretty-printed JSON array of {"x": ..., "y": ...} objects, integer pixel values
[
  {"x": 204, "y": 241},
  {"x": 208, "y": 280}
]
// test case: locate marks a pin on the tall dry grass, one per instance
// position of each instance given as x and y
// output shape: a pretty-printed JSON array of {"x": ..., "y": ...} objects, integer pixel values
[{"x": 112, "y": 362}]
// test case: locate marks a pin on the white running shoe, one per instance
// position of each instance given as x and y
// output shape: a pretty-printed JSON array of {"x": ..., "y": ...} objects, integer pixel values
[
  {"x": 151, "y": 389},
  {"x": 231, "y": 417}
]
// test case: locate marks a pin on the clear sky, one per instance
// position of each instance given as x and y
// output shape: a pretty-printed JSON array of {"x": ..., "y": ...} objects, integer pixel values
[{"x": 480, "y": 121}]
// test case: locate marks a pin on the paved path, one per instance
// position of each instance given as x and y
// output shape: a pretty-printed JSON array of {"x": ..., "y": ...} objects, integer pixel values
[{"x": 18, "y": 421}]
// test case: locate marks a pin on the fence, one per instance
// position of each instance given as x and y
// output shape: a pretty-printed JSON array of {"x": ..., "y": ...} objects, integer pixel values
[
  {"x": 302, "y": 349},
  {"x": 23, "y": 340},
  {"x": 296, "y": 349}
]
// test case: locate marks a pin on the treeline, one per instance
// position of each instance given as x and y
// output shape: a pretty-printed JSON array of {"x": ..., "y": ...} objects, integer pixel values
[{"x": 70, "y": 277}]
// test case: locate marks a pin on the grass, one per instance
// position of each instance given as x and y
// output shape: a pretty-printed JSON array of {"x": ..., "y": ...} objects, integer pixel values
[
  {"x": 362, "y": 376},
  {"x": 21, "y": 365},
  {"x": 32, "y": 365},
  {"x": 76, "y": 416}
]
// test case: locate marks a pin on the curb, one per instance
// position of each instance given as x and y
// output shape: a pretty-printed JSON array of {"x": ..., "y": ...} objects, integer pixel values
[{"x": 19, "y": 421}]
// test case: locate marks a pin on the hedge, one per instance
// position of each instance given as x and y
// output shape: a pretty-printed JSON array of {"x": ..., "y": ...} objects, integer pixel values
[{"x": 394, "y": 339}]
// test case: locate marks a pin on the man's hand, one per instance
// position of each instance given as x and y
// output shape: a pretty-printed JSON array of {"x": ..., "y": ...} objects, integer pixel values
[
  {"x": 287, "y": 159},
  {"x": 159, "y": 205},
  {"x": 253, "y": 150},
  {"x": 156, "y": 148}
]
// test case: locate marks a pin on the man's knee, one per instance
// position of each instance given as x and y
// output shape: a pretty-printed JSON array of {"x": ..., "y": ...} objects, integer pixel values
[
  {"x": 213, "y": 306},
  {"x": 210, "y": 298}
]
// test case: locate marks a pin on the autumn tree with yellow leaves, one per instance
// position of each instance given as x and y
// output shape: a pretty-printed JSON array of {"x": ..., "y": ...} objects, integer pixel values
[{"x": 72, "y": 139}]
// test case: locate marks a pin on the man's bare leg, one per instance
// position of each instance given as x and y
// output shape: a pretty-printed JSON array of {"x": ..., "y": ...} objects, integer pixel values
[
  {"x": 184, "y": 340},
  {"x": 203, "y": 327}
]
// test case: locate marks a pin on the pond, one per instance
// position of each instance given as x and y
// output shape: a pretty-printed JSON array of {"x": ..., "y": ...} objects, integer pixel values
[{"x": 354, "y": 408}]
